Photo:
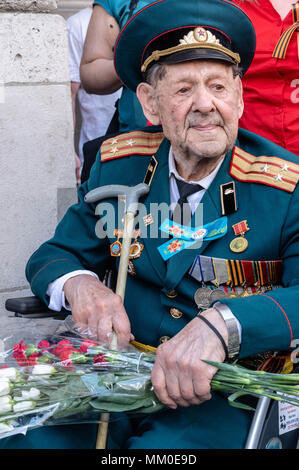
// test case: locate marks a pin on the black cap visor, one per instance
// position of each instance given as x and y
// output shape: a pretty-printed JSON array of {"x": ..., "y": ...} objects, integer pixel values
[{"x": 194, "y": 54}]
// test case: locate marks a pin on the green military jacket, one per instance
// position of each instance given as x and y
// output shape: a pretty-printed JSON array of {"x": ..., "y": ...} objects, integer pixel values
[{"x": 267, "y": 195}]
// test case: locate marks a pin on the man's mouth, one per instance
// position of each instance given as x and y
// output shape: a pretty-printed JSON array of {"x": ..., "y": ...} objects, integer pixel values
[{"x": 204, "y": 127}]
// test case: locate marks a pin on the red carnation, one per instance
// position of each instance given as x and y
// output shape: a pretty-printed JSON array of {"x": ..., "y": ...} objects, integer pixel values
[
  {"x": 99, "y": 358},
  {"x": 85, "y": 345},
  {"x": 32, "y": 359},
  {"x": 61, "y": 346},
  {"x": 66, "y": 354},
  {"x": 66, "y": 357},
  {"x": 64, "y": 342},
  {"x": 19, "y": 348},
  {"x": 43, "y": 344},
  {"x": 19, "y": 353}
]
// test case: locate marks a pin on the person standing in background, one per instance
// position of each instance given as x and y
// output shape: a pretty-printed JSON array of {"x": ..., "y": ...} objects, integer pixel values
[
  {"x": 271, "y": 85},
  {"x": 97, "y": 69},
  {"x": 96, "y": 111}
]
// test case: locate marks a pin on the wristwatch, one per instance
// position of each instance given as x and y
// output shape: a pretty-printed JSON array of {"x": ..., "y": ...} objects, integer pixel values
[{"x": 233, "y": 331}]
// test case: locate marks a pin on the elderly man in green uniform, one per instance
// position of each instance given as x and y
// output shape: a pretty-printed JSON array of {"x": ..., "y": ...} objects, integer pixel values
[{"x": 233, "y": 295}]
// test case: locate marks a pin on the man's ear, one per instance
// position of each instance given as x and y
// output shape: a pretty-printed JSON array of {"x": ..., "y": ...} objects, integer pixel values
[
  {"x": 241, "y": 101},
  {"x": 146, "y": 95}
]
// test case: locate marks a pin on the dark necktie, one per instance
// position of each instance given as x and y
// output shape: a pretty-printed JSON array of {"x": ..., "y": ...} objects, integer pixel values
[{"x": 182, "y": 212}]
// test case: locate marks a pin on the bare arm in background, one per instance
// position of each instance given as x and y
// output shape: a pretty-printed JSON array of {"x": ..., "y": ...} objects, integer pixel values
[
  {"x": 97, "y": 71},
  {"x": 74, "y": 90}
]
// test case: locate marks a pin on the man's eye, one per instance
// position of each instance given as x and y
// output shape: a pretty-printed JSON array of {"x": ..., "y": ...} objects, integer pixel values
[
  {"x": 183, "y": 90},
  {"x": 218, "y": 87}
]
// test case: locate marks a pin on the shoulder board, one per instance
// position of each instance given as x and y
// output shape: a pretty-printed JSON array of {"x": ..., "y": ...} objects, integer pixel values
[
  {"x": 272, "y": 171},
  {"x": 131, "y": 143}
]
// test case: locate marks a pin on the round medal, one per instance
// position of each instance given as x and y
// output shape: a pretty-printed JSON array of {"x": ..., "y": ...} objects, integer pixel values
[
  {"x": 135, "y": 250},
  {"x": 202, "y": 297},
  {"x": 238, "y": 245},
  {"x": 217, "y": 294}
]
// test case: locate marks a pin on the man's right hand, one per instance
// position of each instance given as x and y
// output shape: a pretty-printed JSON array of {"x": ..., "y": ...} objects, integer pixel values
[{"x": 95, "y": 306}]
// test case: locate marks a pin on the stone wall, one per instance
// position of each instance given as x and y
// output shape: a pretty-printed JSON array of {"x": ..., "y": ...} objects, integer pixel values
[
  {"x": 36, "y": 134},
  {"x": 67, "y": 8}
]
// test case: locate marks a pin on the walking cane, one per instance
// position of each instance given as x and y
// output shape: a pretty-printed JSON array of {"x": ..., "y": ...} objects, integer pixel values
[{"x": 131, "y": 195}]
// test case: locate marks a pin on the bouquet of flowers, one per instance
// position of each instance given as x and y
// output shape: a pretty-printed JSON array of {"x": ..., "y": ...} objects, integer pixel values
[{"x": 62, "y": 377}]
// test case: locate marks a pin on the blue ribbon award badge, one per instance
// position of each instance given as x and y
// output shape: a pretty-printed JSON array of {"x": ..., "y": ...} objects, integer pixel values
[{"x": 185, "y": 237}]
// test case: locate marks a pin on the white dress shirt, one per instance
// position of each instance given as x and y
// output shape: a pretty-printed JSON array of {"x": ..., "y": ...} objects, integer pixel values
[{"x": 195, "y": 198}]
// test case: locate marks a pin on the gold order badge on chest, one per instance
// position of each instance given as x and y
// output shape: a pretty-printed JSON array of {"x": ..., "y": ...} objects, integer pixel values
[
  {"x": 135, "y": 248},
  {"x": 240, "y": 243}
]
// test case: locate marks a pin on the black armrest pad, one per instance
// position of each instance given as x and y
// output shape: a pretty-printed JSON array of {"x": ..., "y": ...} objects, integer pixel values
[{"x": 26, "y": 305}]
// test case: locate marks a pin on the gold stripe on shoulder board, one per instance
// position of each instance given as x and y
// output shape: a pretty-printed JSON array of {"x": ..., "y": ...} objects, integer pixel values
[
  {"x": 271, "y": 171},
  {"x": 131, "y": 143}
]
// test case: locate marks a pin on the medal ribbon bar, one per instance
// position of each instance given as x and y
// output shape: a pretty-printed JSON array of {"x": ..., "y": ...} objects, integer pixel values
[{"x": 235, "y": 273}]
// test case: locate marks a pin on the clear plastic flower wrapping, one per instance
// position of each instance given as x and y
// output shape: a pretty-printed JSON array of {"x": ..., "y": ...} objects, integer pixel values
[{"x": 52, "y": 373}]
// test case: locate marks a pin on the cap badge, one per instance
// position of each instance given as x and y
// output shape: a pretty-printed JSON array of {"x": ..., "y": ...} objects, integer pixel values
[
  {"x": 196, "y": 38},
  {"x": 200, "y": 35}
]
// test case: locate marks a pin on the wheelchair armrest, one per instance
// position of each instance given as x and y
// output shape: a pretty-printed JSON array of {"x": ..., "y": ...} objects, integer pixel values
[{"x": 30, "y": 307}]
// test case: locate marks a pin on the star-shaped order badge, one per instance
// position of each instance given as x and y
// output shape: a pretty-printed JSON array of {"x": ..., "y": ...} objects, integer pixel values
[{"x": 185, "y": 237}]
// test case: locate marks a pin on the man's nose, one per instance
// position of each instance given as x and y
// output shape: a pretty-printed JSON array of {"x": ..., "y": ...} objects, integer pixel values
[{"x": 203, "y": 100}]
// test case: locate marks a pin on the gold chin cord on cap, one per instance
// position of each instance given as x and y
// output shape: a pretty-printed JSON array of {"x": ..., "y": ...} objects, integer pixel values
[{"x": 195, "y": 39}]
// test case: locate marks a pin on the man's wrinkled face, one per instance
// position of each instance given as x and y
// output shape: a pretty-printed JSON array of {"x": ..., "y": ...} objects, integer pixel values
[{"x": 199, "y": 104}]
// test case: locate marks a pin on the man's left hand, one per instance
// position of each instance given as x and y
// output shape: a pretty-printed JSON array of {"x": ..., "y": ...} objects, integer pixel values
[{"x": 179, "y": 376}]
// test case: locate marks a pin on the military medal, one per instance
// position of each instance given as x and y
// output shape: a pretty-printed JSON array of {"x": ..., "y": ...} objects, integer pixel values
[
  {"x": 115, "y": 247},
  {"x": 217, "y": 293},
  {"x": 204, "y": 273},
  {"x": 202, "y": 269},
  {"x": 221, "y": 271},
  {"x": 135, "y": 249},
  {"x": 148, "y": 220},
  {"x": 202, "y": 297},
  {"x": 131, "y": 269},
  {"x": 239, "y": 244}
]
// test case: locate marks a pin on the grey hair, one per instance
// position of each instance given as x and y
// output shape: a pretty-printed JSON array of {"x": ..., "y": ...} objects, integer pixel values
[
  {"x": 237, "y": 71},
  {"x": 155, "y": 73},
  {"x": 158, "y": 71}
]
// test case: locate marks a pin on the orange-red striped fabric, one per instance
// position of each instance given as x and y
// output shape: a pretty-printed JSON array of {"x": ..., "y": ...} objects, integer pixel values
[{"x": 284, "y": 40}]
